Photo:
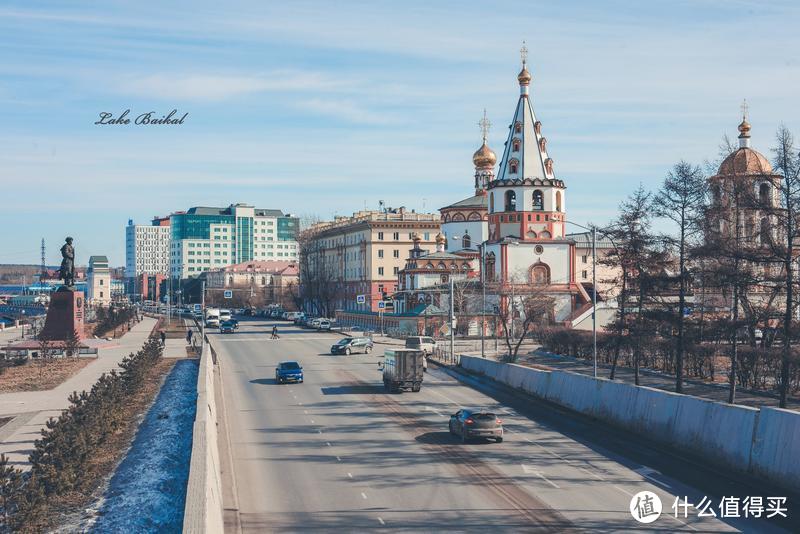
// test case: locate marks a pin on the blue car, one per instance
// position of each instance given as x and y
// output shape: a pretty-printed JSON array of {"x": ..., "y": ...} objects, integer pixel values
[{"x": 288, "y": 372}]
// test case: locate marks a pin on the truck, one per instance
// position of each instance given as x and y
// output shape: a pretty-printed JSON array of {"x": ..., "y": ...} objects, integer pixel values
[
  {"x": 212, "y": 317},
  {"x": 402, "y": 369}
]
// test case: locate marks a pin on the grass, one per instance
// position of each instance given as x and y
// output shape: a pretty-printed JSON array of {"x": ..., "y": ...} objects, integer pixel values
[{"x": 40, "y": 375}]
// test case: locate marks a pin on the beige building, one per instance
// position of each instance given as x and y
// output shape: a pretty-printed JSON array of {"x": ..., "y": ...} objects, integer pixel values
[
  {"x": 274, "y": 281},
  {"x": 98, "y": 281},
  {"x": 362, "y": 255}
]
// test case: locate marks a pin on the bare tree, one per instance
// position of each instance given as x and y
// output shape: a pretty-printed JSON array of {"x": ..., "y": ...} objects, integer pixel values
[
  {"x": 521, "y": 306},
  {"x": 681, "y": 199}
]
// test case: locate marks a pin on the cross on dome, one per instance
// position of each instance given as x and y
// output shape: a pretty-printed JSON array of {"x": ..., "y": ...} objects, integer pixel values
[
  {"x": 744, "y": 108},
  {"x": 485, "y": 124},
  {"x": 523, "y": 53}
]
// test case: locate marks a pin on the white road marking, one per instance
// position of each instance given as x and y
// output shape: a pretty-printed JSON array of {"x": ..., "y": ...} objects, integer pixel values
[
  {"x": 363, "y": 495},
  {"x": 647, "y": 473},
  {"x": 381, "y": 521},
  {"x": 320, "y": 431},
  {"x": 531, "y": 471},
  {"x": 328, "y": 443},
  {"x": 595, "y": 475},
  {"x": 305, "y": 412},
  {"x": 312, "y": 421},
  {"x": 349, "y": 475},
  {"x": 338, "y": 459},
  {"x": 623, "y": 490}
]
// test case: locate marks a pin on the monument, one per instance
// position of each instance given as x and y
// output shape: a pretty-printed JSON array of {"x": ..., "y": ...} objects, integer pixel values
[{"x": 65, "y": 313}]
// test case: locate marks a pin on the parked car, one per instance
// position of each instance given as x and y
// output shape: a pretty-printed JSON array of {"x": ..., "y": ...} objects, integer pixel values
[
  {"x": 349, "y": 345},
  {"x": 315, "y": 322},
  {"x": 476, "y": 423},
  {"x": 324, "y": 324},
  {"x": 289, "y": 371},
  {"x": 424, "y": 343},
  {"x": 227, "y": 327}
]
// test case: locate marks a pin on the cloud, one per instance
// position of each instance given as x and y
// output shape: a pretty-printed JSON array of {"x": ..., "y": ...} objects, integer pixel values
[
  {"x": 350, "y": 111},
  {"x": 215, "y": 87}
]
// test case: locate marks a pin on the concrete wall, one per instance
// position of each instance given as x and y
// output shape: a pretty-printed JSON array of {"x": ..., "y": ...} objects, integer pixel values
[
  {"x": 203, "y": 511},
  {"x": 763, "y": 443}
]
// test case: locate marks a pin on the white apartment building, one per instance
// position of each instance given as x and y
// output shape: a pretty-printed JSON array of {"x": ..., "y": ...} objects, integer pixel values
[{"x": 147, "y": 248}]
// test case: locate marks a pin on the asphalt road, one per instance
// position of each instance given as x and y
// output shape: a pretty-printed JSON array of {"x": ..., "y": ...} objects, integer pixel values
[{"x": 338, "y": 453}]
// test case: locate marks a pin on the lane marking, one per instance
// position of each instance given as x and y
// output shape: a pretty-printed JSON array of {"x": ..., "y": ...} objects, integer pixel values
[
  {"x": 363, "y": 495},
  {"x": 648, "y": 472},
  {"x": 595, "y": 475},
  {"x": 349, "y": 475},
  {"x": 528, "y": 470},
  {"x": 305, "y": 412},
  {"x": 381, "y": 521},
  {"x": 320, "y": 431},
  {"x": 312, "y": 421},
  {"x": 338, "y": 459},
  {"x": 328, "y": 443}
]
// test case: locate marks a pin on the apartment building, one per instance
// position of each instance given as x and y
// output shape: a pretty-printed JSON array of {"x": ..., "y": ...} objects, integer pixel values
[{"x": 361, "y": 255}]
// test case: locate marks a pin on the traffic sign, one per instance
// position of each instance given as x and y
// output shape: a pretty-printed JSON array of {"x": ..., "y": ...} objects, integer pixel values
[
  {"x": 381, "y": 305},
  {"x": 361, "y": 299},
  {"x": 228, "y": 294}
]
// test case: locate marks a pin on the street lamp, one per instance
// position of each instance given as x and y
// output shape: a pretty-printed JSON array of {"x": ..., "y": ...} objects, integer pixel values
[
  {"x": 23, "y": 324},
  {"x": 594, "y": 291}
]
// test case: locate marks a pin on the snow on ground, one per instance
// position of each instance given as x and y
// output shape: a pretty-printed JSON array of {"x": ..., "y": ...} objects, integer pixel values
[{"x": 147, "y": 493}]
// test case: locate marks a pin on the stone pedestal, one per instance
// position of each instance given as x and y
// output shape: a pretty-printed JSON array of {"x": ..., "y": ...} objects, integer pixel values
[{"x": 64, "y": 316}]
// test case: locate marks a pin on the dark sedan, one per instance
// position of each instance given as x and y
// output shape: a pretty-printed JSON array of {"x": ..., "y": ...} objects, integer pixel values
[
  {"x": 476, "y": 423},
  {"x": 227, "y": 327},
  {"x": 288, "y": 372}
]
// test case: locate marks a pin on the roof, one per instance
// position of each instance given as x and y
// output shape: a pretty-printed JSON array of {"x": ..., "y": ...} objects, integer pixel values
[
  {"x": 286, "y": 268},
  {"x": 476, "y": 201},
  {"x": 98, "y": 259},
  {"x": 745, "y": 161},
  {"x": 584, "y": 240},
  {"x": 269, "y": 213},
  {"x": 206, "y": 210}
]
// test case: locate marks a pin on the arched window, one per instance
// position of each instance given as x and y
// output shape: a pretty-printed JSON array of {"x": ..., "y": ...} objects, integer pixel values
[
  {"x": 540, "y": 274},
  {"x": 515, "y": 145},
  {"x": 716, "y": 194},
  {"x": 459, "y": 217},
  {"x": 466, "y": 241},
  {"x": 765, "y": 231},
  {"x": 544, "y": 234},
  {"x": 518, "y": 127},
  {"x": 511, "y": 201},
  {"x": 548, "y": 165},
  {"x": 538, "y": 200},
  {"x": 763, "y": 194},
  {"x": 749, "y": 230},
  {"x": 543, "y": 144},
  {"x": 513, "y": 166},
  {"x": 230, "y": 280},
  {"x": 263, "y": 280},
  {"x": 490, "y": 262},
  {"x": 537, "y": 127},
  {"x": 558, "y": 200},
  {"x": 474, "y": 216},
  {"x": 441, "y": 265}
]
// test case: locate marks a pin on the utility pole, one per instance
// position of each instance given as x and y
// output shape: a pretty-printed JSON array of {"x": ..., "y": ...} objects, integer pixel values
[
  {"x": 452, "y": 320},
  {"x": 202, "y": 315},
  {"x": 483, "y": 302},
  {"x": 43, "y": 274},
  {"x": 594, "y": 299}
]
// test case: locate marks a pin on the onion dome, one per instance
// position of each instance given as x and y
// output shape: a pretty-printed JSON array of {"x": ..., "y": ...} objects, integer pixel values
[
  {"x": 484, "y": 157},
  {"x": 744, "y": 129},
  {"x": 524, "y": 76},
  {"x": 745, "y": 161},
  {"x": 440, "y": 238}
]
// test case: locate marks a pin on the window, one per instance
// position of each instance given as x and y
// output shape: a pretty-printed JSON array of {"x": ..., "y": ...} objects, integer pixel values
[
  {"x": 585, "y": 274},
  {"x": 396, "y": 253},
  {"x": 380, "y": 271},
  {"x": 466, "y": 242},
  {"x": 518, "y": 127},
  {"x": 380, "y": 236},
  {"x": 763, "y": 194},
  {"x": 584, "y": 258},
  {"x": 515, "y": 145},
  {"x": 396, "y": 270},
  {"x": 558, "y": 200},
  {"x": 427, "y": 236},
  {"x": 540, "y": 274},
  {"x": 512, "y": 166},
  {"x": 511, "y": 201},
  {"x": 101, "y": 281},
  {"x": 101, "y": 294},
  {"x": 765, "y": 231},
  {"x": 538, "y": 200},
  {"x": 396, "y": 236},
  {"x": 380, "y": 253}
]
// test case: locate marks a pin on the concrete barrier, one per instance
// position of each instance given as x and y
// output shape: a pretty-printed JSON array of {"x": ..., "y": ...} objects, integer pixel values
[
  {"x": 203, "y": 511},
  {"x": 763, "y": 443}
]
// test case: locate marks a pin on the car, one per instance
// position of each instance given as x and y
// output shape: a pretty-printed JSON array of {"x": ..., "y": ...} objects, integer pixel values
[
  {"x": 424, "y": 343},
  {"x": 324, "y": 324},
  {"x": 349, "y": 345},
  {"x": 476, "y": 423},
  {"x": 227, "y": 327},
  {"x": 289, "y": 371}
]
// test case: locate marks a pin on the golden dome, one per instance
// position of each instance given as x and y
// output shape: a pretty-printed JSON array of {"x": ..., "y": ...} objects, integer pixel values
[
  {"x": 440, "y": 238},
  {"x": 484, "y": 157},
  {"x": 745, "y": 161},
  {"x": 744, "y": 128},
  {"x": 524, "y": 76}
]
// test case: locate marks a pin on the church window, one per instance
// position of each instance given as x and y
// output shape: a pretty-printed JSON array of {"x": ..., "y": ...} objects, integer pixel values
[
  {"x": 540, "y": 274},
  {"x": 538, "y": 218},
  {"x": 537, "y": 127},
  {"x": 518, "y": 127},
  {"x": 474, "y": 216},
  {"x": 466, "y": 242},
  {"x": 491, "y": 202},
  {"x": 490, "y": 262},
  {"x": 765, "y": 231},
  {"x": 749, "y": 230},
  {"x": 763, "y": 194},
  {"x": 538, "y": 201},
  {"x": 515, "y": 144},
  {"x": 513, "y": 166},
  {"x": 511, "y": 201},
  {"x": 558, "y": 200},
  {"x": 716, "y": 193},
  {"x": 585, "y": 275},
  {"x": 542, "y": 144},
  {"x": 544, "y": 234},
  {"x": 548, "y": 165}
]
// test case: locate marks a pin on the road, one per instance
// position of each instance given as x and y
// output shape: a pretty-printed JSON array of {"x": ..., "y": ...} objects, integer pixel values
[{"x": 337, "y": 452}]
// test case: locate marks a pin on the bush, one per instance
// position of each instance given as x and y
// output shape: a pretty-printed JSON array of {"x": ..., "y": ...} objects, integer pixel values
[{"x": 59, "y": 460}]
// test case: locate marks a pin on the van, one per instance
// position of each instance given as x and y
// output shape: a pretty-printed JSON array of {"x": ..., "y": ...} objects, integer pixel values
[
  {"x": 424, "y": 343},
  {"x": 224, "y": 315}
]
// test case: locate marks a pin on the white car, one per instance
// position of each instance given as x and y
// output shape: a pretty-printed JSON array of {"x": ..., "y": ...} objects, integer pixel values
[{"x": 424, "y": 343}]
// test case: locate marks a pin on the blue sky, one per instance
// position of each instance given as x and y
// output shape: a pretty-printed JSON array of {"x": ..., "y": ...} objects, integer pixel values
[{"x": 325, "y": 107}]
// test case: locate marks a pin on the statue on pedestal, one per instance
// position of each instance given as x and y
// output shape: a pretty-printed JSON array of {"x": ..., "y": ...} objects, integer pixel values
[{"x": 67, "y": 270}]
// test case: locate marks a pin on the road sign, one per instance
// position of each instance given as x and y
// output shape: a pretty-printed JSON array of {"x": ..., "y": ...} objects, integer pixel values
[
  {"x": 228, "y": 294},
  {"x": 361, "y": 299},
  {"x": 381, "y": 305}
]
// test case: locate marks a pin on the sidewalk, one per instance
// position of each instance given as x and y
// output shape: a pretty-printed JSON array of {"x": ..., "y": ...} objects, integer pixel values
[
  {"x": 32, "y": 409},
  {"x": 653, "y": 379}
]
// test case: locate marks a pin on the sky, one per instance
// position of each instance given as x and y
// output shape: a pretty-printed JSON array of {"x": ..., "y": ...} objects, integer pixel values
[{"x": 324, "y": 108}]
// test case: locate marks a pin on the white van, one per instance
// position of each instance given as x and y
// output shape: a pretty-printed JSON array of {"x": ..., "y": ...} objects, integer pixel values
[
  {"x": 212, "y": 317},
  {"x": 291, "y": 316},
  {"x": 224, "y": 315}
]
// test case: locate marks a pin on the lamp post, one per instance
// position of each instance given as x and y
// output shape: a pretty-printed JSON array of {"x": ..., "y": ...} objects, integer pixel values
[
  {"x": 594, "y": 291},
  {"x": 23, "y": 324}
]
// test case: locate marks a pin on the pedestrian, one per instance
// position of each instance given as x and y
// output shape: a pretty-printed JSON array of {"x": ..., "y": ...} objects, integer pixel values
[
  {"x": 274, "y": 332},
  {"x": 189, "y": 336},
  {"x": 163, "y": 338}
]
